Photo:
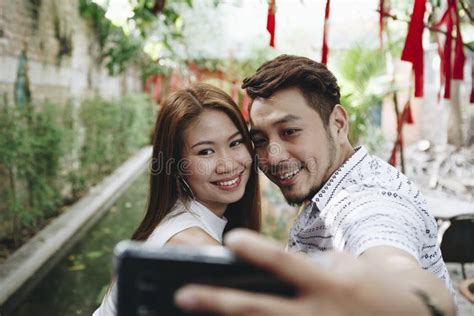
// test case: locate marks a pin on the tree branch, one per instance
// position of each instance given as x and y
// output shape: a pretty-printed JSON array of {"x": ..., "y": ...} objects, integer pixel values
[
  {"x": 466, "y": 10},
  {"x": 432, "y": 29}
]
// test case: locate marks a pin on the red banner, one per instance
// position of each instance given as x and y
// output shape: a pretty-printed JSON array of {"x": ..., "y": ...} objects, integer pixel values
[
  {"x": 449, "y": 70},
  {"x": 271, "y": 22},
  {"x": 325, "y": 49},
  {"x": 413, "y": 50},
  {"x": 382, "y": 15}
]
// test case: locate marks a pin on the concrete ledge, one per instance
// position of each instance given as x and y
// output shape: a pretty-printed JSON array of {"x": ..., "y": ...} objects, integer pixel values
[{"x": 62, "y": 232}]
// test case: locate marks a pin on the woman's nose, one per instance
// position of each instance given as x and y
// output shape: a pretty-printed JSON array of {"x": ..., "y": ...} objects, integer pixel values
[{"x": 226, "y": 163}]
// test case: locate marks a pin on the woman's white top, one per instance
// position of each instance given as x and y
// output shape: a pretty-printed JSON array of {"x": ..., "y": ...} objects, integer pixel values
[{"x": 181, "y": 217}]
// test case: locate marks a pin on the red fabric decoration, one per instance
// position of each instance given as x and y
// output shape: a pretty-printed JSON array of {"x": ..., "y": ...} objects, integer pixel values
[
  {"x": 472, "y": 83},
  {"x": 413, "y": 50},
  {"x": 271, "y": 22},
  {"x": 393, "y": 157},
  {"x": 245, "y": 106},
  {"x": 404, "y": 117},
  {"x": 459, "y": 57},
  {"x": 234, "y": 92},
  {"x": 157, "y": 88},
  {"x": 325, "y": 50},
  {"x": 407, "y": 114},
  {"x": 447, "y": 56},
  {"x": 174, "y": 81},
  {"x": 449, "y": 71},
  {"x": 382, "y": 14}
]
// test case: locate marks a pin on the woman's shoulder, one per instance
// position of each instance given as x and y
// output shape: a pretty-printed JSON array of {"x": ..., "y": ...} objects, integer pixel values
[
  {"x": 192, "y": 236},
  {"x": 177, "y": 221}
]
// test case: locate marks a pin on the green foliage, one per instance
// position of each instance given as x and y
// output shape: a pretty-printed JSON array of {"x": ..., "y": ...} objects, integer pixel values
[
  {"x": 119, "y": 48},
  {"x": 114, "y": 129},
  {"x": 102, "y": 26},
  {"x": 30, "y": 150},
  {"x": 359, "y": 68},
  {"x": 37, "y": 144}
]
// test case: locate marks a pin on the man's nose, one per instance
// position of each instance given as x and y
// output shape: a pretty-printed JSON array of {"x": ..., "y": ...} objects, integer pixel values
[{"x": 276, "y": 153}]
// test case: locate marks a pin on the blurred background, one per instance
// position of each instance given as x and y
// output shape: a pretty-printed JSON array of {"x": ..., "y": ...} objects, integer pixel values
[{"x": 81, "y": 83}]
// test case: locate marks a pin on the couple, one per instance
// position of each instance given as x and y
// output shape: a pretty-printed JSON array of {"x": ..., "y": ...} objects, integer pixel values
[{"x": 387, "y": 260}]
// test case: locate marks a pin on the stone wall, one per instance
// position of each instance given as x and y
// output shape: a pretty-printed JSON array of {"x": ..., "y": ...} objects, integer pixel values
[{"x": 61, "y": 50}]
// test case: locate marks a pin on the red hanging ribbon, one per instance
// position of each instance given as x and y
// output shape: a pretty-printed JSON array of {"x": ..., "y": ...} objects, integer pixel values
[
  {"x": 459, "y": 57},
  {"x": 157, "y": 88},
  {"x": 447, "y": 56},
  {"x": 271, "y": 22},
  {"x": 407, "y": 114},
  {"x": 382, "y": 15},
  {"x": 325, "y": 50},
  {"x": 245, "y": 105},
  {"x": 471, "y": 99},
  {"x": 404, "y": 117},
  {"x": 451, "y": 71},
  {"x": 413, "y": 50}
]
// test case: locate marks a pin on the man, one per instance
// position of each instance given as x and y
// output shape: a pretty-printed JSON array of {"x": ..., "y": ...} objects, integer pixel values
[{"x": 367, "y": 222}]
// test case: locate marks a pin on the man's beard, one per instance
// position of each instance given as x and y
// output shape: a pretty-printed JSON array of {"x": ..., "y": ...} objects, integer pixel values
[{"x": 299, "y": 200}]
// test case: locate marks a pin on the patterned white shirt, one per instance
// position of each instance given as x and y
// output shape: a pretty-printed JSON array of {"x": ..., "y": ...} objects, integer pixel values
[{"x": 368, "y": 203}]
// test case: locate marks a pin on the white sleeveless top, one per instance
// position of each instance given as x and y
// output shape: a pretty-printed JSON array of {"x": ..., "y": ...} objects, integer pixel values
[{"x": 183, "y": 216}]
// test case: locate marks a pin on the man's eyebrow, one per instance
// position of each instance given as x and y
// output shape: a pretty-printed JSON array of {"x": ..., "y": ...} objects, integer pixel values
[
  {"x": 286, "y": 119},
  {"x": 254, "y": 131}
]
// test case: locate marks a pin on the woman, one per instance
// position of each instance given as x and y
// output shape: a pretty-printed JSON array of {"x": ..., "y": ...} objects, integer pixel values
[{"x": 203, "y": 179}]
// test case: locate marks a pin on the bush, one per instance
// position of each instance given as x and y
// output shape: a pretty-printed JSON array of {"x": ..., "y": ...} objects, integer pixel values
[
  {"x": 30, "y": 149},
  {"x": 46, "y": 148},
  {"x": 113, "y": 130}
]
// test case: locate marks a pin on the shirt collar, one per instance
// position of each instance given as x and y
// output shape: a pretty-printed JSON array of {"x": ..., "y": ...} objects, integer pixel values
[
  {"x": 335, "y": 182},
  {"x": 213, "y": 222}
]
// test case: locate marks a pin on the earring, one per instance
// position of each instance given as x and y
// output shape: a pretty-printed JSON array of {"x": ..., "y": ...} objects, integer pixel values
[{"x": 185, "y": 187}]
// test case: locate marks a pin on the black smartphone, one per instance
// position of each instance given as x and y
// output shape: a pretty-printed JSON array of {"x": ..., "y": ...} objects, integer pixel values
[{"x": 149, "y": 276}]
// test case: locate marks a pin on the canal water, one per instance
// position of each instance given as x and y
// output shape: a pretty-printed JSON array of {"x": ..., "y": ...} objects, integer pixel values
[{"x": 75, "y": 286}]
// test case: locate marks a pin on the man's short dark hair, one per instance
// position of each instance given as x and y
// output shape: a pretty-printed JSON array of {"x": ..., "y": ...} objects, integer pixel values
[{"x": 317, "y": 84}]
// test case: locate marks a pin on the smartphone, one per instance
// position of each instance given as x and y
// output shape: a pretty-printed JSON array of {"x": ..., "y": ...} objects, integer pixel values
[{"x": 149, "y": 276}]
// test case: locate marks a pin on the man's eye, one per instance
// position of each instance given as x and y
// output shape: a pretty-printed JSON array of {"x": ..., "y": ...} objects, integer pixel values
[
  {"x": 289, "y": 131},
  {"x": 259, "y": 143},
  {"x": 205, "y": 152}
]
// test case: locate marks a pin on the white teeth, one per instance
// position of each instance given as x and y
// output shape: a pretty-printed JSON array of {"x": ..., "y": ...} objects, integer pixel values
[
  {"x": 228, "y": 183},
  {"x": 288, "y": 175}
]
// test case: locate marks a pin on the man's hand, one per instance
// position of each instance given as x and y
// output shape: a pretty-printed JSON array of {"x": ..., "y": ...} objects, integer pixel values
[{"x": 340, "y": 285}]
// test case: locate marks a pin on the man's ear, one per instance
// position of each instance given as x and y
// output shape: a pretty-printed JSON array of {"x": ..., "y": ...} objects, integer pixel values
[{"x": 340, "y": 120}]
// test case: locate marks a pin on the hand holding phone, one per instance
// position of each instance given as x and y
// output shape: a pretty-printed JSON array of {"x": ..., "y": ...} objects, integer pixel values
[{"x": 149, "y": 276}]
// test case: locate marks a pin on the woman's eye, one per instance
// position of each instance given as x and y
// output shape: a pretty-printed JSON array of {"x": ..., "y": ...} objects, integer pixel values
[
  {"x": 236, "y": 143},
  {"x": 205, "y": 152}
]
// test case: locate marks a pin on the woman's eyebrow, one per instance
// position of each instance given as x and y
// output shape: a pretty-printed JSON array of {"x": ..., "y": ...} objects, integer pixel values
[
  {"x": 208, "y": 142},
  {"x": 204, "y": 142}
]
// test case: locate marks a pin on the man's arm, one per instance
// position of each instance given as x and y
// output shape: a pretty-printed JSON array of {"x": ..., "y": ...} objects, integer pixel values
[
  {"x": 341, "y": 285},
  {"x": 407, "y": 270}
]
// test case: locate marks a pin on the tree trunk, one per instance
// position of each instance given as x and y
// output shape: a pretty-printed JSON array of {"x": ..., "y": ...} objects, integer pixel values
[{"x": 455, "y": 136}]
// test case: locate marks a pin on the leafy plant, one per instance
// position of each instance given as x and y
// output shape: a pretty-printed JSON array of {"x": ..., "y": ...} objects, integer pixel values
[
  {"x": 37, "y": 155},
  {"x": 359, "y": 68}
]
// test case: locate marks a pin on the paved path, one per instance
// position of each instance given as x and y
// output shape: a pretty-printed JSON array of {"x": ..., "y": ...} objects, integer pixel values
[{"x": 466, "y": 308}]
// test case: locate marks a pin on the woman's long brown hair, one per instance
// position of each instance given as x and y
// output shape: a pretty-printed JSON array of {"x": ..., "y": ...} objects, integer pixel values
[{"x": 179, "y": 110}]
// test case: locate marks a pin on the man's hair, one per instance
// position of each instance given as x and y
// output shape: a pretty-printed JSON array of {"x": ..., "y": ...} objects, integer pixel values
[{"x": 317, "y": 84}]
